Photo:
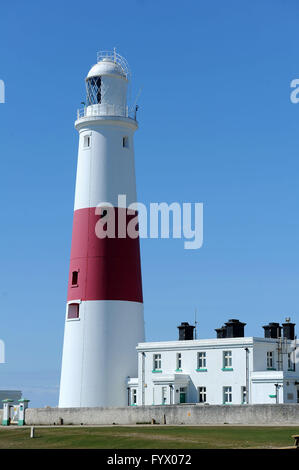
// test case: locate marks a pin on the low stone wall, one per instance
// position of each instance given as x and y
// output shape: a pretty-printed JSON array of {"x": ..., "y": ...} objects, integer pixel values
[{"x": 168, "y": 414}]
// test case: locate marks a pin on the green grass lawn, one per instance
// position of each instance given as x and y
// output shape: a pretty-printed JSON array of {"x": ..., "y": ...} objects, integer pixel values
[{"x": 141, "y": 437}]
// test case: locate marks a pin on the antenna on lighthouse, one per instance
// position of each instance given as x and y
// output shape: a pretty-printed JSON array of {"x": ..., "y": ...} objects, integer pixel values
[
  {"x": 137, "y": 98},
  {"x": 134, "y": 107}
]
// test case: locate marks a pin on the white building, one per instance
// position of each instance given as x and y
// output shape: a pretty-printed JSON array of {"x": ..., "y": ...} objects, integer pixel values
[{"x": 218, "y": 371}]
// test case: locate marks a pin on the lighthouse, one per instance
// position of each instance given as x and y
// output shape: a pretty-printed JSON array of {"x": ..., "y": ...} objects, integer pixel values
[{"x": 104, "y": 311}]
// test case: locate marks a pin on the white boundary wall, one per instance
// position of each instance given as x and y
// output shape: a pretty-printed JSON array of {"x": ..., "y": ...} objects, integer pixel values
[{"x": 171, "y": 414}]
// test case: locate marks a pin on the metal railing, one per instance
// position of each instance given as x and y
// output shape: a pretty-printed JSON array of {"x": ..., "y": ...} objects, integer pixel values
[
  {"x": 113, "y": 56},
  {"x": 106, "y": 110}
]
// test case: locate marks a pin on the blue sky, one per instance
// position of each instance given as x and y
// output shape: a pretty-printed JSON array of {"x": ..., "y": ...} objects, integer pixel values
[{"x": 216, "y": 126}]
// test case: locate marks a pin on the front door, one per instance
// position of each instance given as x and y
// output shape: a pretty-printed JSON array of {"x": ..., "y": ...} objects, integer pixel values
[
  {"x": 182, "y": 395},
  {"x": 297, "y": 395}
]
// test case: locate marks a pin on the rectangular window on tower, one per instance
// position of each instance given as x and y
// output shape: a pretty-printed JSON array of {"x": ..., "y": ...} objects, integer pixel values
[
  {"x": 86, "y": 141},
  {"x": 75, "y": 275},
  {"x": 73, "y": 311},
  {"x": 126, "y": 142}
]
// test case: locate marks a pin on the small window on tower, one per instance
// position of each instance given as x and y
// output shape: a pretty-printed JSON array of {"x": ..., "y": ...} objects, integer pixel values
[
  {"x": 87, "y": 140},
  {"x": 75, "y": 275},
  {"x": 73, "y": 311},
  {"x": 126, "y": 142}
]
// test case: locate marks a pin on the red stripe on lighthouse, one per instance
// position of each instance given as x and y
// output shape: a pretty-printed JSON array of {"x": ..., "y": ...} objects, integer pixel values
[{"x": 108, "y": 268}]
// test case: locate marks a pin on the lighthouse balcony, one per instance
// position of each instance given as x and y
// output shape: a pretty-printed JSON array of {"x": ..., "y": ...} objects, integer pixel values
[{"x": 104, "y": 109}]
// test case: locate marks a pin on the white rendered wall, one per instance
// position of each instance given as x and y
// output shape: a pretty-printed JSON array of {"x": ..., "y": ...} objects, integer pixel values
[
  {"x": 260, "y": 354},
  {"x": 214, "y": 379},
  {"x": 263, "y": 387},
  {"x": 99, "y": 353},
  {"x": 106, "y": 169},
  {"x": 261, "y": 381}
]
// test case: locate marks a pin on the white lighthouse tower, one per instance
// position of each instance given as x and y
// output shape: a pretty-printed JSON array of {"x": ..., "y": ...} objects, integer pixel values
[{"x": 104, "y": 312}]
